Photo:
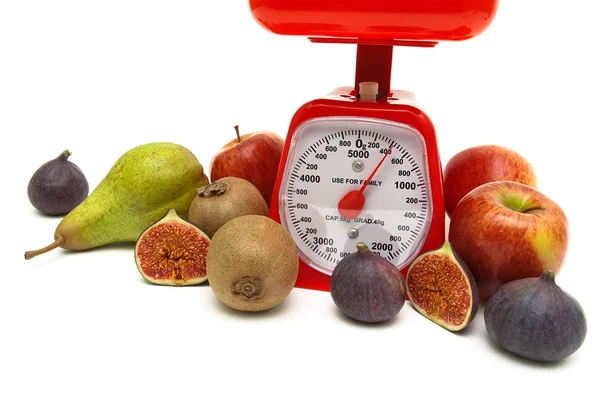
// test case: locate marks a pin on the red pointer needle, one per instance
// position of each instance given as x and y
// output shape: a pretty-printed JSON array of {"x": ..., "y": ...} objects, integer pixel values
[{"x": 352, "y": 203}]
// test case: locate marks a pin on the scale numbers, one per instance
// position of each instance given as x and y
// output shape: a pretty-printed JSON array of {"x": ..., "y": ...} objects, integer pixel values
[{"x": 330, "y": 157}]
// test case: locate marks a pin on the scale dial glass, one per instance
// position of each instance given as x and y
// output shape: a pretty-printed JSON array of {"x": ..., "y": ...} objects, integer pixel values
[{"x": 331, "y": 156}]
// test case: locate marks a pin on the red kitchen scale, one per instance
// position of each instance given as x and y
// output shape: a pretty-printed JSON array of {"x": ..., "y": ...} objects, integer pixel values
[{"x": 361, "y": 164}]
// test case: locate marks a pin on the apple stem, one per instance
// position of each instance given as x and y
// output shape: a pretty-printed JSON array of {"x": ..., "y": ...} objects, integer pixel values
[
  {"x": 237, "y": 132},
  {"x": 535, "y": 208}
]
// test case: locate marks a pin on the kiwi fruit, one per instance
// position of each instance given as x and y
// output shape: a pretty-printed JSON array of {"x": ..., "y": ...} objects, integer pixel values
[
  {"x": 223, "y": 200},
  {"x": 252, "y": 263}
]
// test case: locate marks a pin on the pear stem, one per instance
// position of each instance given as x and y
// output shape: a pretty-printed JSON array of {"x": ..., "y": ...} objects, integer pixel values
[
  {"x": 237, "y": 132},
  {"x": 58, "y": 240}
]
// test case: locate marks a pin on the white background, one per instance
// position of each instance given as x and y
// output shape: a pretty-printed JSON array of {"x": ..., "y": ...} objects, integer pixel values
[{"x": 100, "y": 77}]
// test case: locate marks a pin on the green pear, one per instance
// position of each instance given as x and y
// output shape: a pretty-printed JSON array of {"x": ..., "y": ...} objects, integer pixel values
[{"x": 139, "y": 189}]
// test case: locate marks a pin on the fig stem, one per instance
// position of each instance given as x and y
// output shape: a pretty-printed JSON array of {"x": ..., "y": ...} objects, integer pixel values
[
  {"x": 237, "y": 133},
  {"x": 548, "y": 275},
  {"x": 534, "y": 208},
  {"x": 65, "y": 154},
  {"x": 58, "y": 240},
  {"x": 362, "y": 248}
]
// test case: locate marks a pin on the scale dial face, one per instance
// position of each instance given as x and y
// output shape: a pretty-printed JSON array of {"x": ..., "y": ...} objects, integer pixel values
[{"x": 331, "y": 156}]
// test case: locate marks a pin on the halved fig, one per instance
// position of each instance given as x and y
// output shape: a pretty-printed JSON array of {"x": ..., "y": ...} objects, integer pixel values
[
  {"x": 172, "y": 252},
  {"x": 441, "y": 287}
]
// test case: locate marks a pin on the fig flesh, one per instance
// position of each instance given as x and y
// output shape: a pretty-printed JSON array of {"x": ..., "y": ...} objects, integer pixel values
[
  {"x": 534, "y": 318},
  {"x": 224, "y": 200},
  {"x": 367, "y": 287},
  {"x": 442, "y": 288},
  {"x": 172, "y": 252},
  {"x": 58, "y": 186}
]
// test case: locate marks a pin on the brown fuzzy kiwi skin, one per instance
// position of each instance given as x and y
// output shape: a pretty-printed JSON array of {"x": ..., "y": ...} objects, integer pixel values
[
  {"x": 224, "y": 200},
  {"x": 252, "y": 263}
]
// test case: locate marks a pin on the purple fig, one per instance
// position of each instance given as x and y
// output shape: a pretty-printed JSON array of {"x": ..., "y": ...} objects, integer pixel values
[
  {"x": 534, "y": 318},
  {"x": 367, "y": 287},
  {"x": 58, "y": 186}
]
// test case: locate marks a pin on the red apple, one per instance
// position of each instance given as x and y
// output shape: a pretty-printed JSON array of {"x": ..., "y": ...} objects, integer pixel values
[
  {"x": 482, "y": 164},
  {"x": 254, "y": 157},
  {"x": 506, "y": 231}
]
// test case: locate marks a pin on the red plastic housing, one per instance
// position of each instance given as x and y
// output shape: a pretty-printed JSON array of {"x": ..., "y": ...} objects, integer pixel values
[
  {"x": 429, "y": 20},
  {"x": 400, "y": 108}
]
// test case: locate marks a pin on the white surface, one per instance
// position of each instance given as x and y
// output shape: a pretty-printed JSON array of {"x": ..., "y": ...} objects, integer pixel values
[{"x": 101, "y": 77}]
